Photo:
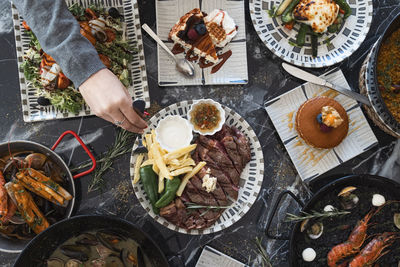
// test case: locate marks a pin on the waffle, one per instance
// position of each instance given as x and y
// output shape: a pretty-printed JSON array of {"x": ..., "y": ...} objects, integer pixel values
[{"x": 216, "y": 32}]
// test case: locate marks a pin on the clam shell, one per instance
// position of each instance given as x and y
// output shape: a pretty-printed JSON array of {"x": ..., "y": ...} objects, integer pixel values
[{"x": 347, "y": 190}]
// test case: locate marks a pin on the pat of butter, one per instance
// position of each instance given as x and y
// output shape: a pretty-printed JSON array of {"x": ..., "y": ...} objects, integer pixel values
[{"x": 209, "y": 183}]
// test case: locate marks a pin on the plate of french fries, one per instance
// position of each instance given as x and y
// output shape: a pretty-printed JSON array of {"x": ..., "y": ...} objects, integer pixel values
[{"x": 166, "y": 166}]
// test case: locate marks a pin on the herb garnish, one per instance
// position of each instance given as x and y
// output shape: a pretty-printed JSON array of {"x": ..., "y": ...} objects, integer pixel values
[
  {"x": 122, "y": 145},
  {"x": 314, "y": 214}
]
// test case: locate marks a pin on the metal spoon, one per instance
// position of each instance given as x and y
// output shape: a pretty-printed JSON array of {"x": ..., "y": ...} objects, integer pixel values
[{"x": 183, "y": 65}]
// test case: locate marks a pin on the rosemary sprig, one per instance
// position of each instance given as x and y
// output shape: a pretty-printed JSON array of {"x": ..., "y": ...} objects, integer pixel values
[
  {"x": 313, "y": 215},
  {"x": 266, "y": 262},
  {"x": 123, "y": 144},
  {"x": 196, "y": 206}
]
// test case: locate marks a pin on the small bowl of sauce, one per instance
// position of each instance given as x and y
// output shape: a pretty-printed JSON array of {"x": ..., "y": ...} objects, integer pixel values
[
  {"x": 206, "y": 117},
  {"x": 173, "y": 132}
]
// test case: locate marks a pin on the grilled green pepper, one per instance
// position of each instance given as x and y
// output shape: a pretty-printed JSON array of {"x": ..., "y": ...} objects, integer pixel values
[
  {"x": 150, "y": 184},
  {"x": 314, "y": 44},
  {"x": 301, "y": 36},
  {"x": 345, "y": 6},
  {"x": 287, "y": 15},
  {"x": 171, "y": 186}
]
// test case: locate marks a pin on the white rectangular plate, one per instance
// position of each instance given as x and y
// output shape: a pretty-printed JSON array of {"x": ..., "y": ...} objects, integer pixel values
[
  {"x": 212, "y": 257},
  {"x": 311, "y": 162},
  {"x": 234, "y": 71},
  {"x": 138, "y": 90}
]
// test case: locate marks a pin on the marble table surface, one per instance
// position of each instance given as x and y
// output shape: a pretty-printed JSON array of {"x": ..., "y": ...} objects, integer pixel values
[{"x": 266, "y": 80}]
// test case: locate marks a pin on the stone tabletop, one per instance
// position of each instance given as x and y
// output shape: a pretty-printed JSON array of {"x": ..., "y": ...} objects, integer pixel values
[{"x": 266, "y": 81}]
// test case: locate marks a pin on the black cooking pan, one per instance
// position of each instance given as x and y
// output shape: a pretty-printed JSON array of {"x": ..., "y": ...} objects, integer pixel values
[
  {"x": 377, "y": 99},
  {"x": 376, "y": 184},
  {"x": 44, "y": 244},
  {"x": 13, "y": 245}
]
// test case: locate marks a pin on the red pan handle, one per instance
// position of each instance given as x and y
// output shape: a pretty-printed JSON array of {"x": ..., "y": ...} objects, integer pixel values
[{"x": 83, "y": 146}]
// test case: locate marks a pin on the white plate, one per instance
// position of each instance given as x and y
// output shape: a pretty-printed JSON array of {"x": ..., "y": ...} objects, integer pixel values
[
  {"x": 234, "y": 71},
  {"x": 250, "y": 180},
  {"x": 311, "y": 162},
  {"x": 340, "y": 45},
  {"x": 138, "y": 90}
]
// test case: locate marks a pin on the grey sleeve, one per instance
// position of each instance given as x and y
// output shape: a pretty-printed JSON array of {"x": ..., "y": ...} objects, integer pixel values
[{"x": 58, "y": 33}]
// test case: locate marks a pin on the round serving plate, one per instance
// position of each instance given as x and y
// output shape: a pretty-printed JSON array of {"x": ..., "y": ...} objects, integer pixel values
[
  {"x": 332, "y": 48},
  {"x": 386, "y": 121},
  {"x": 250, "y": 180}
]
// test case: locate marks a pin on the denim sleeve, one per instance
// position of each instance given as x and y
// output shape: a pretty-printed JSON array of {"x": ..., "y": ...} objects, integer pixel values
[{"x": 58, "y": 33}]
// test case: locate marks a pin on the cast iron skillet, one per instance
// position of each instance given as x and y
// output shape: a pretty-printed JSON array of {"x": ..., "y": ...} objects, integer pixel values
[
  {"x": 392, "y": 27},
  {"x": 381, "y": 183},
  {"x": 13, "y": 245},
  {"x": 44, "y": 244}
]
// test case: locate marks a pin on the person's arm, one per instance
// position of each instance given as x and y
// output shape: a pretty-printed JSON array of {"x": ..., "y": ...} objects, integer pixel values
[{"x": 58, "y": 33}]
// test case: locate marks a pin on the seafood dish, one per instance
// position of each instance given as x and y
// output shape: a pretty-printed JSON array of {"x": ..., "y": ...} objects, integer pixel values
[
  {"x": 32, "y": 194},
  {"x": 193, "y": 185},
  {"x": 202, "y": 35},
  {"x": 105, "y": 29},
  {"x": 388, "y": 73},
  {"x": 316, "y": 17},
  {"x": 361, "y": 228},
  {"x": 322, "y": 122},
  {"x": 98, "y": 248}
]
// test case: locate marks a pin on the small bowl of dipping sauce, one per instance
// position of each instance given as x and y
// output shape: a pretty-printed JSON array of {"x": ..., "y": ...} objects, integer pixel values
[
  {"x": 173, "y": 132},
  {"x": 206, "y": 116}
]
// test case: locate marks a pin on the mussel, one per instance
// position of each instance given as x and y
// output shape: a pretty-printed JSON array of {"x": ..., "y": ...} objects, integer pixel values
[
  {"x": 128, "y": 258},
  {"x": 54, "y": 262},
  {"x": 348, "y": 200},
  {"x": 315, "y": 230},
  {"x": 87, "y": 240},
  {"x": 110, "y": 239},
  {"x": 103, "y": 251},
  {"x": 78, "y": 252}
]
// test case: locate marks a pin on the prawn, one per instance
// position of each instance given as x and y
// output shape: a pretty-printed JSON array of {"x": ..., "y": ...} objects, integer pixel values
[
  {"x": 353, "y": 243},
  {"x": 374, "y": 250}
]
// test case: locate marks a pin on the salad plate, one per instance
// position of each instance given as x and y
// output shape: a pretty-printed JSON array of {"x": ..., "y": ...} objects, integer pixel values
[
  {"x": 332, "y": 47},
  {"x": 137, "y": 86},
  {"x": 250, "y": 182}
]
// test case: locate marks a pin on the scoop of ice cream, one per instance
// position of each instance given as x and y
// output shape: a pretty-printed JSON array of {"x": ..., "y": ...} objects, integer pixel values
[
  {"x": 330, "y": 117},
  {"x": 221, "y": 27}
]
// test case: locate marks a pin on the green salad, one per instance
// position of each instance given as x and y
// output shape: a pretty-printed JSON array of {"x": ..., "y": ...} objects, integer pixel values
[{"x": 105, "y": 29}]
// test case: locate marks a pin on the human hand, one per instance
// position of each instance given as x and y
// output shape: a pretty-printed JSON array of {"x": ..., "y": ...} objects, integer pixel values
[{"x": 109, "y": 99}]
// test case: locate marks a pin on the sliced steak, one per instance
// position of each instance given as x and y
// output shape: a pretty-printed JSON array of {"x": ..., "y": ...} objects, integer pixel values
[
  {"x": 175, "y": 212},
  {"x": 216, "y": 151},
  {"x": 229, "y": 172},
  {"x": 196, "y": 194},
  {"x": 218, "y": 194},
  {"x": 223, "y": 180},
  {"x": 243, "y": 146},
  {"x": 232, "y": 150},
  {"x": 226, "y": 130}
]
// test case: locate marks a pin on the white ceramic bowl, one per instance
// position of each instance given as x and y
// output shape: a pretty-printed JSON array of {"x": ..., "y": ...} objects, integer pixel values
[
  {"x": 173, "y": 132},
  {"x": 221, "y": 113}
]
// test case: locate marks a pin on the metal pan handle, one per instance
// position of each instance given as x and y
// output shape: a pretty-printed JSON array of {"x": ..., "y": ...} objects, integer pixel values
[
  {"x": 83, "y": 146},
  {"x": 274, "y": 209}
]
